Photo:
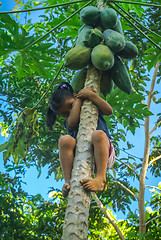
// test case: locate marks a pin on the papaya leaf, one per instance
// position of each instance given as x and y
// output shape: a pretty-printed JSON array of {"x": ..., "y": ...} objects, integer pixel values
[
  {"x": 139, "y": 10},
  {"x": 43, "y": 47},
  {"x": 125, "y": 6},
  {"x": 152, "y": 59}
]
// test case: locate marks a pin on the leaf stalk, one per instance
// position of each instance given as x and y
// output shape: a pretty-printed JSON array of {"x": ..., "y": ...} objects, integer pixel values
[
  {"x": 136, "y": 3},
  {"x": 136, "y": 27},
  {"x": 41, "y": 38},
  {"x": 107, "y": 215},
  {"x": 128, "y": 166},
  {"x": 127, "y": 189},
  {"x": 42, "y": 8},
  {"x": 135, "y": 20},
  {"x": 50, "y": 86}
]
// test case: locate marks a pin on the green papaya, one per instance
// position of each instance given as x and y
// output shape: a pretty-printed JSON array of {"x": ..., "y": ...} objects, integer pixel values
[
  {"x": 77, "y": 57},
  {"x": 129, "y": 51},
  {"x": 94, "y": 38},
  {"x": 106, "y": 83},
  {"x": 114, "y": 40},
  {"x": 90, "y": 15},
  {"x": 83, "y": 34},
  {"x": 108, "y": 18},
  {"x": 102, "y": 57},
  {"x": 78, "y": 80},
  {"x": 118, "y": 27},
  {"x": 121, "y": 76}
]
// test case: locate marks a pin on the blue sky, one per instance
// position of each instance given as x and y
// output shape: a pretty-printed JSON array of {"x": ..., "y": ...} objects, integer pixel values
[{"x": 42, "y": 185}]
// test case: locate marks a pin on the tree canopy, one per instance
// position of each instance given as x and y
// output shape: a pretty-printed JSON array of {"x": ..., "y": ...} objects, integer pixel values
[{"x": 31, "y": 60}]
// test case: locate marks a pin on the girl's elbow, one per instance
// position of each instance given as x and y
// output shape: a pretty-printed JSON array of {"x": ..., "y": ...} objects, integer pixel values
[
  {"x": 71, "y": 124},
  {"x": 109, "y": 112}
]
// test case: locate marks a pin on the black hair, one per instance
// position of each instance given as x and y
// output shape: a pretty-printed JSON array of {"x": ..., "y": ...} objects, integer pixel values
[{"x": 58, "y": 97}]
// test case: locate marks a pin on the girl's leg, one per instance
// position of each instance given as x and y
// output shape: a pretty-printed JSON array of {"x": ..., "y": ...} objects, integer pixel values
[
  {"x": 66, "y": 147},
  {"x": 101, "y": 154}
]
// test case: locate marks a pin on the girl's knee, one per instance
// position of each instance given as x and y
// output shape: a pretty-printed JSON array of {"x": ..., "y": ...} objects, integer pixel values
[
  {"x": 98, "y": 136},
  {"x": 67, "y": 141}
]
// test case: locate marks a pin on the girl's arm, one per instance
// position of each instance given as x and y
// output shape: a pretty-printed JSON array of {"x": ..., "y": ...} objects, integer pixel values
[
  {"x": 103, "y": 106},
  {"x": 74, "y": 116}
]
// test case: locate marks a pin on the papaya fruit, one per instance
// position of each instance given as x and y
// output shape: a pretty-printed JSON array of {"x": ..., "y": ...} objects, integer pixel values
[
  {"x": 78, "y": 80},
  {"x": 90, "y": 15},
  {"x": 108, "y": 18},
  {"x": 118, "y": 27},
  {"x": 106, "y": 83},
  {"x": 114, "y": 40},
  {"x": 121, "y": 76},
  {"x": 129, "y": 51},
  {"x": 83, "y": 34},
  {"x": 94, "y": 38},
  {"x": 102, "y": 57},
  {"x": 77, "y": 57}
]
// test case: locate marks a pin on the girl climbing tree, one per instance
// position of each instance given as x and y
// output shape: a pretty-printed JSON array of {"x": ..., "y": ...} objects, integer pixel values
[
  {"x": 97, "y": 42},
  {"x": 98, "y": 46}
]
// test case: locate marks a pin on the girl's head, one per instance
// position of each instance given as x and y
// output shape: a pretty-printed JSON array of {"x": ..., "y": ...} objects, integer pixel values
[{"x": 61, "y": 102}]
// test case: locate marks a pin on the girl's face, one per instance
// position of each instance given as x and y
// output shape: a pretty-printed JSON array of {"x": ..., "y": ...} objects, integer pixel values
[{"x": 66, "y": 107}]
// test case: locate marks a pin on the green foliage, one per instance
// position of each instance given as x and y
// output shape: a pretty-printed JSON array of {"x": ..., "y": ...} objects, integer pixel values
[
  {"x": 25, "y": 129},
  {"x": 13, "y": 36},
  {"x": 26, "y": 74},
  {"x": 28, "y": 217}
]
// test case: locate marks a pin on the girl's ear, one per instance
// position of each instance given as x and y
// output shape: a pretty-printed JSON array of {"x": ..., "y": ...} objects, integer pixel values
[
  {"x": 75, "y": 95},
  {"x": 50, "y": 118}
]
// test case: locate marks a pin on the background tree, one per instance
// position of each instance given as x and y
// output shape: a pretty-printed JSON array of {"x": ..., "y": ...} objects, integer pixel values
[{"x": 27, "y": 73}]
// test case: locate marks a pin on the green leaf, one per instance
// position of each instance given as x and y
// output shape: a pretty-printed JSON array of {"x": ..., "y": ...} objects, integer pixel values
[
  {"x": 139, "y": 10},
  {"x": 6, "y": 155},
  {"x": 3, "y": 146},
  {"x": 19, "y": 65}
]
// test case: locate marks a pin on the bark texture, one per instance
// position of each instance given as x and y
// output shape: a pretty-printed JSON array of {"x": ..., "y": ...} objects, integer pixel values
[{"x": 77, "y": 211}]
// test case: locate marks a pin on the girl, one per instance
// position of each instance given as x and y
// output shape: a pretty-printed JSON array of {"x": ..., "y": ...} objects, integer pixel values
[{"x": 67, "y": 104}]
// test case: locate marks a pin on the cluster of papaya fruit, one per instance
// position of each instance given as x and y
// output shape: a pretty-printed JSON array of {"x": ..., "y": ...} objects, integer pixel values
[{"x": 101, "y": 42}]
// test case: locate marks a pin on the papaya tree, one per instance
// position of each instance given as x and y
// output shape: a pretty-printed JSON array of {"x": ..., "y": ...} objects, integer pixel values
[{"x": 27, "y": 65}]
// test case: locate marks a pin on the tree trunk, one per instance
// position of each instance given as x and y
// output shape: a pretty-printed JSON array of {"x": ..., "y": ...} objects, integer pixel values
[
  {"x": 77, "y": 211},
  {"x": 142, "y": 225}
]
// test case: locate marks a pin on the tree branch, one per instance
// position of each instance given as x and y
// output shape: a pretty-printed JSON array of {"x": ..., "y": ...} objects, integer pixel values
[
  {"x": 157, "y": 125},
  {"x": 142, "y": 226},
  {"x": 152, "y": 85},
  {"x": 153, "y": 187},
  {"x": 153, "y": 219},
  {"x": 128, "y": 167},
  {"x": 107, "y": 215},
  {"x": 127, "y": 189},
  {"x": 155, "y": 159},
  {"x": 42, "y": 8}
]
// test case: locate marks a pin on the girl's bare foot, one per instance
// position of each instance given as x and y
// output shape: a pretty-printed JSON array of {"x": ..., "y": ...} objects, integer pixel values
[
  {"x": 93, "y": 184},
  {"x": 65, "y": 189}
]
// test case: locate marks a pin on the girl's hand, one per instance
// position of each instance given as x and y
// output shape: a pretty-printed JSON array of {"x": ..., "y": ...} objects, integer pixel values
[
  {"x": 87, "y": 93},
  {"x": 90, "y": 94}
]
